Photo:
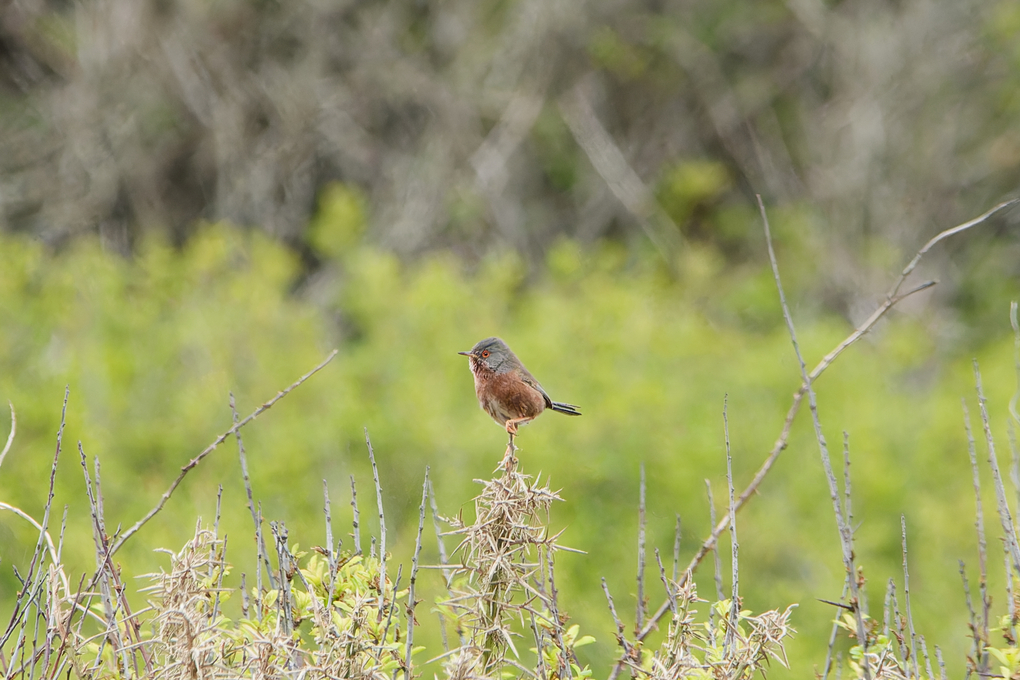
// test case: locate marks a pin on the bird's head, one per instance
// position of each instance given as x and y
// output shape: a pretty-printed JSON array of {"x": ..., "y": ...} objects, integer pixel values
[{"x": 491, "y": 354}]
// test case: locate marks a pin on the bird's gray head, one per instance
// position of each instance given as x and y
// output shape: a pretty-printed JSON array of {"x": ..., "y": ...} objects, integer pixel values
[{"x": 491, "y": 353}]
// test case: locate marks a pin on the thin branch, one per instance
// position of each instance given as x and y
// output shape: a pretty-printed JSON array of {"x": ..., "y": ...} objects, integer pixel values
[
  {"x": 676, "y": 548},
  {"x": 35, "y": 566},
  {"x": 670, "y": 593},
  {"x": 620, "y": 637},
  {"x": 260, "y": 554},
  {"x": 382, "y": 527},
  {"x": 551, "y": 603},
  {"x": 209, "y": 449},
  {"x": 411, "y": 604},
  {"x": 980, "y": 635},
  {"x": 331, "y": 550},
  {"x": 946, "y": 234},
  {"x": 731, "y": 629},
  {"x": 356, "y": 527},
  {"x": 640, "y": 618},
  {"x": 845, "y": 531},
  {"x": 715, "y": 553},
  {"x": 835, "y": 630},
  {"x": 906, "y": 599},
  {"x": 447, "y": 573},
  {"x": 1009, "y": 529},
  {"x": 251, "y": 496},
  {"x": 974, "y": 633},
  {"x": 10, "y": 437},
  {"x": 393, "y": 605},
  {"x": 1016, "y": 364},
  {"x": 927, "y": 659},
  {"x": 539, "y": 655},
  {"x": 893, "y": 297},
  {"x": 244, "y": 595}
]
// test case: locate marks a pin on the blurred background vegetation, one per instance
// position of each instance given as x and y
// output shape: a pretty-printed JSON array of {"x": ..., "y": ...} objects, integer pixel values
[{"x": 202, "y": 196}]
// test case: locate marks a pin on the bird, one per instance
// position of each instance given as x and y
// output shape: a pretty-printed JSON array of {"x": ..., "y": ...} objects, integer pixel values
[{"x": 506, "y": 390}]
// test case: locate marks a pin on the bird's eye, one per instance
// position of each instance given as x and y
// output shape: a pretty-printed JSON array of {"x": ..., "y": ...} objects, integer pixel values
[{"x": 485, "y": 354}]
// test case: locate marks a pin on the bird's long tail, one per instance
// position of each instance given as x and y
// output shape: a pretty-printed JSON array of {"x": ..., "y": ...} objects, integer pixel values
[{"x": 569, "y": 409}]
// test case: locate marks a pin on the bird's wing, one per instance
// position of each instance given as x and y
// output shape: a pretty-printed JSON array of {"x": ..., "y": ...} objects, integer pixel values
[{"x": 529, "y": 379}]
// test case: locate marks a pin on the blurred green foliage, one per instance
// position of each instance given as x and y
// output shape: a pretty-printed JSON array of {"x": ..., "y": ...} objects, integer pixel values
[
  {"x": 690, "y": 183},
  {"x": 151, "y": 346},
  {"x": 340, "y": 222},
  {"x": 608, "y": 51}
]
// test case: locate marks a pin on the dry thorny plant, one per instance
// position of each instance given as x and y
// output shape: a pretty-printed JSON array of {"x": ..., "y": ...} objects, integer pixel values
[
  {"x": 361, "y": 623},
  {"x": 507, "y": 574},
  {"x": 505, "y": 584}
]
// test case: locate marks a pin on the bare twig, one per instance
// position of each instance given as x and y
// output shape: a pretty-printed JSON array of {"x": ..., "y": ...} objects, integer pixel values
[
  {"x": 447, "y": 573},
  {"x": 670, "y": 593},
  {"x": 54, "y": 553},
  {"x": 715, "y": 553},
  {"x": 551, "y": 601},
  {"x": 1005, "y": 517},
  {"x": 1014, "y": 461},
  {"x": 620, "y": 637},
  {"x": 326, "y": 513},
  {"x": 980, "y": 634},
  {"x": 260, "y": 555},
  {"x": 244, "y": 595},
  {"x": 1010, "y": 599},
  {"x": 1016, "y": 366},
  {"x": 731, "y": 629},
  {"x": 640, "y": 617},
  {"x": 216, "y": 561},
  {"x": 18, "y": 616},
  {"x": 105, "y": 574},
  {"x": 676, "y": 547},
  {"x": 382, "y": 527},
  {"x": 906, "y": 598},
  {"x": 414, "y": 574},
  {"x": 356, "y": 528},
  {"x": 845, "y": 530},
  {"x": 974, "y": 632},
  {"x": 927, "y": 659},
  {"x": 540, "y": 657},
  {"x": 331, "y": 550},
  {"x": 10, "y": 437},
  {"x": 893, "y": 297},
  {"x": 251, "y": 496},
  {"x": 287, "y": 565},
  {"x": 835, "y": 630},
  {"x": 946, "y": 234},
  {"x": 392, "y": 605},
  {"x": 209, "y": 449},
  {"x": 898, "y": 634}
]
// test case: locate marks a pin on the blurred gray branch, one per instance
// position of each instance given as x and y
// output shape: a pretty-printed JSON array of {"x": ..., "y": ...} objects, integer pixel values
[{"x": 122, "y": 116}]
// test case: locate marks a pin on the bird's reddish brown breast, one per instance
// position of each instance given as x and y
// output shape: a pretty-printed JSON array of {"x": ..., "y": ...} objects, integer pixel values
[{"x": 505, "y": 396}]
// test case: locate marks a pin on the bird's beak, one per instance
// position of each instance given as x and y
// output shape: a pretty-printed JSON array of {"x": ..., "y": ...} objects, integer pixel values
[{"x": 467, "y": 354}]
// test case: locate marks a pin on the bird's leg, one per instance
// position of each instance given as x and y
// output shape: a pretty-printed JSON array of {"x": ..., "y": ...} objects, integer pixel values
[
  {"x": 508, "y": 457},
  {"x": 513, "y": 423}
]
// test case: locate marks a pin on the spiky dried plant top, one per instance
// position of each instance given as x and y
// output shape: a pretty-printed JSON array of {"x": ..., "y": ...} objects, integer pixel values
[{"x": 506, "y": 575}]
